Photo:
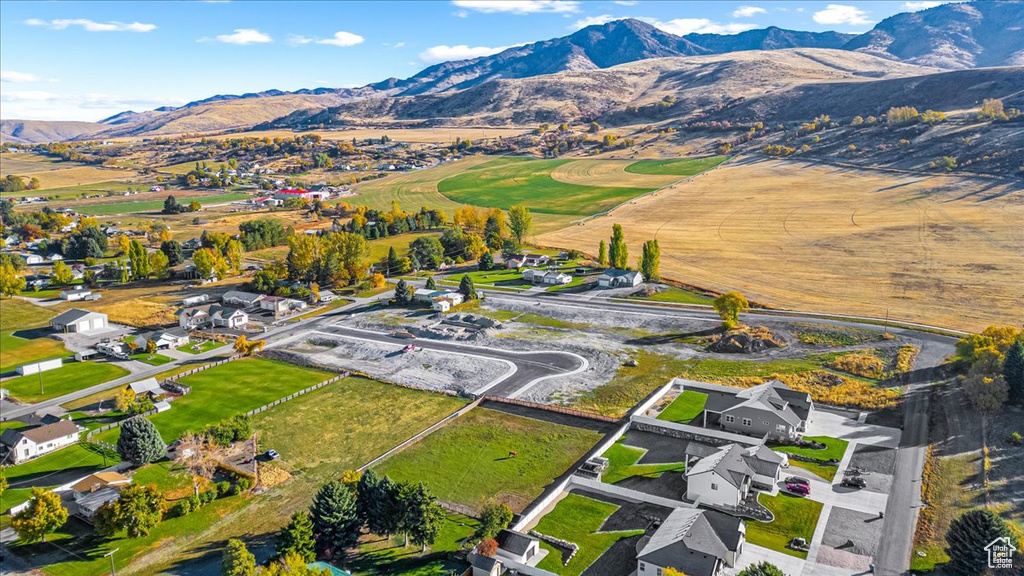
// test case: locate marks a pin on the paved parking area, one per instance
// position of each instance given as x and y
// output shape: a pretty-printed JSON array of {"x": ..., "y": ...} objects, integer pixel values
[
  {"x": 830, "y": 424},
  {"x": 876, "y": 465},
  {"x": 790, "y": 565}
]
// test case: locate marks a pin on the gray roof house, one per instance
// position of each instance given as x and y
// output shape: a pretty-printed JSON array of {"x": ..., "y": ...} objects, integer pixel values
[
  {"x": 722, "y": 478},
  {"x": 616, "y": 278},
  {"x": 768, "y": 410},
  {"x": 695, "y": 542},
  {"x": 517, "y": 546},
  {"x": 765, "y": 463}
]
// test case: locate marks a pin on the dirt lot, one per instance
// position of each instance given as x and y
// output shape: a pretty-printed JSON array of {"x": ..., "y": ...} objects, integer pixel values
[
  {"x": 423, "y": 368},
  {"x": 937, "y": 249}
]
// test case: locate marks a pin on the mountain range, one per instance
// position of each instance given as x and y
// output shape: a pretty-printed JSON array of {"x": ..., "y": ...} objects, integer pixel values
[{"x": 947, "y": 37}]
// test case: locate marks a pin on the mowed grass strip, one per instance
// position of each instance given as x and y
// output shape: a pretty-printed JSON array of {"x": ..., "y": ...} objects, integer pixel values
[
  {"x": 687, "y": 406},
  {"x": 468, "y": 461},
  {"x": 795, "y": 517},
  {"x": 677, "y": 167},
  {"x": 15, "y": 350},
  {"x": 229, "y": 389},
  {"x": 73, "y": 462},
  {"x": 71, "y": 377},
  {"x": 504, "y": 182},
  {"x": 578, "y": 519},
  {"x": 622, "y": 464}
]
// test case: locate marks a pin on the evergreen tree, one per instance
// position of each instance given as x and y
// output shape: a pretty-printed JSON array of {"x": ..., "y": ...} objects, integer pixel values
[
  {"x": 486, "y": 261},
  {"x": 422, "y": 516},
  {"x": 602, "y": 254},
  {"x": 762, "y": 569},
  {"x": 403, "y": 294},
  {"x": 966, "y": 539},
  {"x": 297, "y": 538},
  {"x": 140, "y": 442},
  {"x": 492, "y": 232},
  {"x": 335, "y": 518},
  {"x": 393, "y": 263},
  {"x": 175, "y": 253},
  {"x": 431, "y": 284},
  {"x": 467, "y": 288},
  {"x": 390, "y": 518},
  {"x": 237, "y": 560},
  {"x": 372, "y": 503},
  {"x": 650, "y": 261},
  {"x": 1013, "y": 372}
]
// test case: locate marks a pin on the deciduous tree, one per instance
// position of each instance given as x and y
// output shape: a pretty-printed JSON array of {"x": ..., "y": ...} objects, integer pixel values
[
  {"x": 729, "y": 306},
  {"x": 618, "y": 253},
  {"x": 650, "y": 261},
  {"x": 10, "y": 282},
  {"x": 493, "y": 519},
  {"x": 520, "y": 222},
  {"x": 602, "y": 254},
  {"x": 137, "y": 511},
  {"x": 762, "y": 569},
  {"x": 62, "y": 273},
  {"x": 43, "y": 515},
  {"x": 159, "y": 265}
]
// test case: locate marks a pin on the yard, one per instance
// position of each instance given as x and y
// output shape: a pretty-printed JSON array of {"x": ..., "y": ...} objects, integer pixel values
[
  {"x": 579, "y": 520},
  {"x": 622, "y": 464},
  {"x": 499, "y": 277},
  {"x": 18, "y": 350},
  {"x": 677, "y": 296},
  {"x": 469, "y": 461},
  {"x": 834, "y": 449},
  {"x": 229, "y": 389},
  {"x": 795, "y": 517},
  {"x": 199, "y": 348},
  {"x": 53, "y": 469},
  {"x": 151, "y": 359},
  {"x": 380, "y": 556},
  {"x": 68, "y": 378},
  {"x": 687, "y": 406}
]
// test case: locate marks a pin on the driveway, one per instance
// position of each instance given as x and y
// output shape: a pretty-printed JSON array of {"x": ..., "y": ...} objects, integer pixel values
[
  {"x": 790, "y": 565},
  {"x": 828, "y": 424}
]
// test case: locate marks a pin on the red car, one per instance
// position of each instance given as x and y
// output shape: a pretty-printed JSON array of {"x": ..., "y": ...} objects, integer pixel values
[{"x": 798, "y": 488}]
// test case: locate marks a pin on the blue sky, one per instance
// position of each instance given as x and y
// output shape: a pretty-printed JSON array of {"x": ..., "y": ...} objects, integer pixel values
[{"x": 89, "y": 60}]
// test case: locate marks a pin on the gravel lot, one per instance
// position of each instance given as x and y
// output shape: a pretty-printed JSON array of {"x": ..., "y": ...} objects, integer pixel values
[
  {"x": 852, "y": 536},
  {"x": 422, "y": 368}
]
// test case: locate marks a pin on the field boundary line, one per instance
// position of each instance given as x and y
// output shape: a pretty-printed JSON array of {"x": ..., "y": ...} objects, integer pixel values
[{"x": 420, "y": 435}]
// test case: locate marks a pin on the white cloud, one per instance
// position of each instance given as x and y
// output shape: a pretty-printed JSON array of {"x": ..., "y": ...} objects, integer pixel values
[
  {"x": 244, "y": 36},
  {"x": 298, "y": 40},
  {"x": 748, "y": 11},
  {"x": 342, "y": 39},
  {"x": 22, "y": 77},
  {"x": 683, "y": 26},
  {"x": 626, "y": 2},
  {"x": 916, "y": 6},
  {"x": 841, "y": 14},
  {"x": 519, "y": 6},
  {"x": 443, "y": 53},
  {"x": 38, "y": 105},
  {"x": 593, "y": 21},
  {"x": 399, "y": 45},
  {"x": 91, "y": 25}
]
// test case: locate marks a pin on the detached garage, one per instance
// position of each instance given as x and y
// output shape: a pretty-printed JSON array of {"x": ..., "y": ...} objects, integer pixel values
[{"x": 78, "y": 320}]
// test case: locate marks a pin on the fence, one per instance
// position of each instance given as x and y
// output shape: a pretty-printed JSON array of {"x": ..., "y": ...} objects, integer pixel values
[
  {"x": 550, "y": 408},
  {"x": 432, "y": 428},
  {"x": 201, "y": 368},
  {"x": 116, "y": 424},
  {"x": 457, "y": 508},
  {"x": 265, "y": 407}
]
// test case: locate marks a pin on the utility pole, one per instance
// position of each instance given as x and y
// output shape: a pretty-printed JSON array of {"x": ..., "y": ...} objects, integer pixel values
[
  {"x": 886, "y": 334},
  {"x": 111, "y": 555},
  {"x": 39, "y": 373}
]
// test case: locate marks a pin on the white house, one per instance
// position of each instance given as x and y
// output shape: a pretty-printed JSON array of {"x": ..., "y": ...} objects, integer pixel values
[
  {"x": 54, "y": 257},
  {"x": 327, "y": 296},
  {"x": 24, "y": 445},
  {"x": 692, "y": 541},
  {"x": 32, "y": 259},
  {"x": 439, "y": 300},
  {"x": 211, "y": 315},
  {"x": 280, "y": 305},
  {"x": 518, "y": 547},
  {"x": 720, "y": 479},
  {"x": 79, "y": 320},
  {"x": 486, "y": 566},
  {"x": 616, "y": 278},
  {"x": 171, "y": 338},
  {"x": 77, "y": 294},
  {"x": 552, "y": 277}
]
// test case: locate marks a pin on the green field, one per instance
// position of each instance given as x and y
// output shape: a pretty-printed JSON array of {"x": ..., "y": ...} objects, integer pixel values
[
  {"x": 68, "y": 378},
  {"x": 200, "y": 348},
  {"x": 687, "y": 406},
  {"x": 678, "y": 167},
  {"x": 677, "y": 295},
  {"x": 226, "y": 390},
  {"x": 622, "y": 463},
  {"x": 578, "y": 519},
  {"x": 794, "y": 517},
  {"x": 507, "y": 181},
  {"x": 468, "y": 460},
  {"x": 835, "y": 449},
  {"x": 17, "y": 351},
  {"x": 132, "y": 206}
]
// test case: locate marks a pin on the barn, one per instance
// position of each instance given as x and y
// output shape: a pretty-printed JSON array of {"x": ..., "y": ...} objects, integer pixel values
[{"x": 79, "y": 320}]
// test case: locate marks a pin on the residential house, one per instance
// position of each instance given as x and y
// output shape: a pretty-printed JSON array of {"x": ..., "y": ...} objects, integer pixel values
[
  {"x": 616, "y": 278},
  {"x": 304, "y": 195},
  {"x": 147, "y": 386},
  {"x": 550, "y": 277},
  {"x": 326, "y": 296},
  {"x": 765, "y": 463},
  {"x": 526, "y": 260},
  {"x": 279, "y": 305},
  {"x": 771, "y": 410},
  {"x": 32, "y": 259},
  {"x": 55, "y": 257},
  {"x": 99, "y": 481},
  {"x": 517, "y": 546},
  {"x": 24, "y": 445},
  {"x": 79, "y": 320},
  {"x": 192, "y": 244},
  {"x": 12, "y": 240},
  {"x": 439, "y": 300},
  {"x": 486, "y": 566},
  {"x": 170, "y": 338},
  {"x": 96, "y": 490},
  {"x": 241, "y": 299},
  {"x": 694, "y": 542},
  {"x": 721, "y": 479},
  {"x": 211, "y": 315}
]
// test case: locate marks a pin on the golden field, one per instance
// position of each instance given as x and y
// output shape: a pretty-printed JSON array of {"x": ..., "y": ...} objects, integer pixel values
[{"x": 943, "y": 250}]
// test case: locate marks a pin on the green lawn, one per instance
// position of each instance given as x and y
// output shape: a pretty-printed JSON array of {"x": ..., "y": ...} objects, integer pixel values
[
  {"x": 795, "y": 517},
  {"x": 388, "y": 556},
  {"x": 229, "y": 389},
  {"x": 206, "y": 346},
  {"x": 500, "y": 277},
  {"x": 622, "y": 464},
  {"x": 678, "y": 296},
  {"x": 468, "y": 460},
  {"x": 69, "y": 378},
  {"x": 132, "y": 206},
  {"x": 678, "y": 167},
  {"x": 18, "y": 351},
  {"x": 630, "y": 385},
  {"x": 151, "y": 359},
  {"x": 506, "y": 181},
  {"x": 170, "y": 478},
  {"x": 76, "y": 460},
  {"x": 835, "y": 448},
  {"x": 578, "y": 519},
  {"x": 16, "y": 313},
  {"x": 687, "y": 406}
]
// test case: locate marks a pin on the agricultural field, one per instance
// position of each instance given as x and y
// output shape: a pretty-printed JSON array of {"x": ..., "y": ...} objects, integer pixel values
[
  {"x": 54, "y": 173},
  {"x": 676, "y": 167},
  {"x": 914, "y": 245},
  {"x": 469, "y": 462},
  {"x": 156, "y": 204}
]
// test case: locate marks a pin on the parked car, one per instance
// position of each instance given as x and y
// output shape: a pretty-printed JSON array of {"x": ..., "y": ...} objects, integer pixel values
[
  {"x": 854, "y": 482},
  {"x": 798, "y": 489},
  {"x": 798, "y": 480},
  {"x": 272, "y": 454}
]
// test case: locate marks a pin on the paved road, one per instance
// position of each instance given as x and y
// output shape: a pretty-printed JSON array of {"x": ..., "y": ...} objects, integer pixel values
[{"x": 530, "y": 367}]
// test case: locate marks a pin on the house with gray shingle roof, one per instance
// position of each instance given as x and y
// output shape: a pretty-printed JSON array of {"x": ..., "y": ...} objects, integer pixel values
[
  {"x": 722, "y": 478},
  {"x": 768, "y": 410},
  {"x": 694, "y": 542}
]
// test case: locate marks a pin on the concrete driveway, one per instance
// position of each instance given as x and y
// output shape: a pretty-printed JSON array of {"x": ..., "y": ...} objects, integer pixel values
[
  {"x": 829, "y": 424},
  {"x": 790, "y": 565}
]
